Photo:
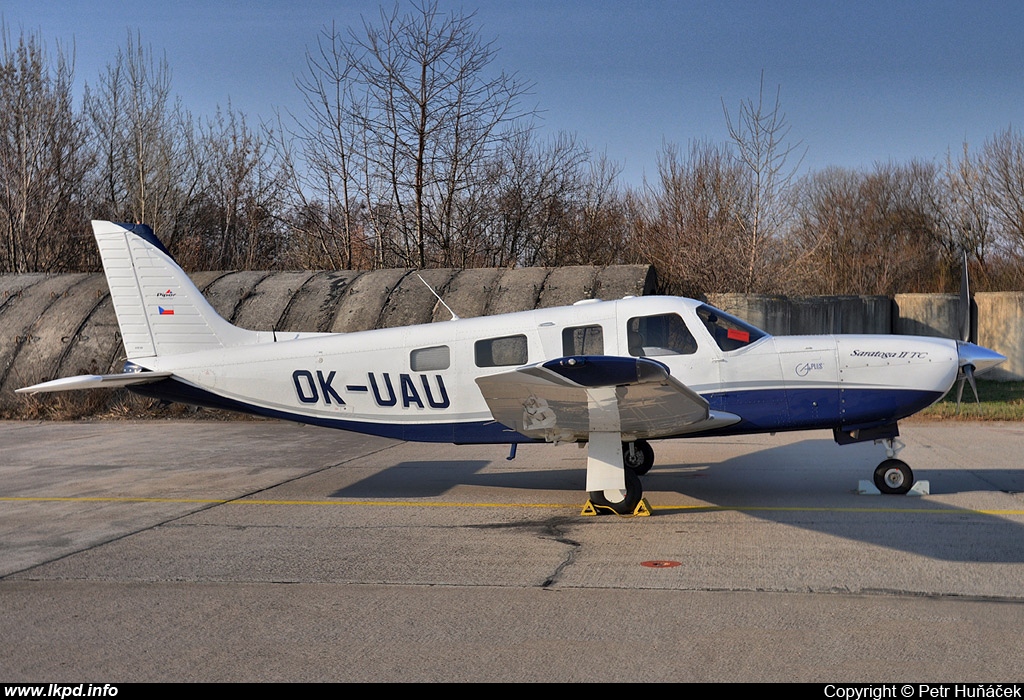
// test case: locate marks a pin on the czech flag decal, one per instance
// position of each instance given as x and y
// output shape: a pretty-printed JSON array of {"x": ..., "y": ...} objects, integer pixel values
[{"x": 165, "y": 312}]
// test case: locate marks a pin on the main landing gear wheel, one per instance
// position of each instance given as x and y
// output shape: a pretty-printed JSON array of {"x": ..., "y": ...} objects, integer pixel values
[
  {"x": 894, "y": 476},
  {"x": 640, "y": 459},
  {"x": 628, "y": 504}
]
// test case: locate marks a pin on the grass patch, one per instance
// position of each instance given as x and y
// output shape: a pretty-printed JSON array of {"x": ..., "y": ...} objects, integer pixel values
[
  {"x": 107, "y": 404},
  {"x": 999, "y": 401}
]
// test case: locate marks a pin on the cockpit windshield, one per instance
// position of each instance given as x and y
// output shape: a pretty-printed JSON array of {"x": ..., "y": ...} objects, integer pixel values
[{"x": 728, "y": 331}]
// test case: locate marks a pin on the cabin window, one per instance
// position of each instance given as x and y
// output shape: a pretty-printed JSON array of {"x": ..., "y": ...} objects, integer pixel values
[
  {"x": 430, "y": 359},
  {"x": 729, "y": 332},
  {"x": 501, "y": 352},
  {"x": 583, "y": 340},
  {"x": 664, "y": 334}
]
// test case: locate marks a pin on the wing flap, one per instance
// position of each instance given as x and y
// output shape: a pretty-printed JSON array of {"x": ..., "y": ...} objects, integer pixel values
[
  {"x": 568, "y": 398},
  {"x": 94, "y": 381}
]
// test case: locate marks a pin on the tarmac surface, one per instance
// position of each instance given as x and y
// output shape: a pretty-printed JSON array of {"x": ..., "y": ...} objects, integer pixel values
[{"x": 266, "y": 551}]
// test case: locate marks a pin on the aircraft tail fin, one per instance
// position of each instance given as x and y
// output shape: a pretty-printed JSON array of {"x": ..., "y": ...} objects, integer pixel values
[{"x": 159, "y": 310}]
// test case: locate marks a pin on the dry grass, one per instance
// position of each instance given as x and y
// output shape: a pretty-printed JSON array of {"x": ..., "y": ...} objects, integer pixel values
[
  {"x": 106, "y": 404},
  {"x": 1003, "y": 401}
]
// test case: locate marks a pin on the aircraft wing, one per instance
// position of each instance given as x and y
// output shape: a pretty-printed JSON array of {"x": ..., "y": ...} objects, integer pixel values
[
  {"x": 94, "y": 381},
  {"x": 569, "y": 398}
]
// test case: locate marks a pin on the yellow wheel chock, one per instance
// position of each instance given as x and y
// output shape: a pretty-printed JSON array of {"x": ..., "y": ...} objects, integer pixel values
[{"x": 643, "y": 508}]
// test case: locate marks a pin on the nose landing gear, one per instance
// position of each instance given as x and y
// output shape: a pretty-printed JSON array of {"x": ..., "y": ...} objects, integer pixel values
[{"x": 893, "y": 476}]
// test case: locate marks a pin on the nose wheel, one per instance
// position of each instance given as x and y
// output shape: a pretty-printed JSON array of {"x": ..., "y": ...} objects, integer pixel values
[{"x": 894, "y": 476}]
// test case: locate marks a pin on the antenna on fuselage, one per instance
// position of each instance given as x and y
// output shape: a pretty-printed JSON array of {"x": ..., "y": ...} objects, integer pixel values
[{"x": 455, "y": 316}]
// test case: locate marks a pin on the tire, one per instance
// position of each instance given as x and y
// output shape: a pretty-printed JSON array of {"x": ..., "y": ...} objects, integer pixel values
[
  {"x": 634, "y": 492},
  {"x": 642, "y": 459},
  {"x": 894, "y": 476}
]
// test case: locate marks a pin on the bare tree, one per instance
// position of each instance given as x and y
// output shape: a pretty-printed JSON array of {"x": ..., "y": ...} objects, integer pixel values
[
  {"x": 150, "y": 165},
  {"x": 1003, "y": 169},
  {"x": 688, "y": 224},
  {"x": 532, "y": 190},
  {"x": 327, "y": 226},
  {"x": 599, "y": 228},
  {"x": 43, "y": 160},
  {"x": 867, "y": 233},
  {"x": 966, "y": 222},
  {"x": 760, "y": 134},
  {"x": 827, "y": 205},
  {"x": 242, "y": 194},
  {"x": 430, "y": 112}
]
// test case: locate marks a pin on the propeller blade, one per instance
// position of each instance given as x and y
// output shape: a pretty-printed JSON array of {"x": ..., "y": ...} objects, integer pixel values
[
  {"x": 966, "y": 376},
  {"x": 969, "y": 373},
  {"x": 965, "y": 303}
]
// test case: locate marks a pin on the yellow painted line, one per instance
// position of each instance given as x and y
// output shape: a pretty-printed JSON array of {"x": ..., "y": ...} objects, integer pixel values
[
  {"x": 468, "y": 504},
  {"x": 821, "y": 509},
  {"x": 412, "y": 504},
  {"x": 266, "y": 502},
  {"x": 110, "y": 499}
]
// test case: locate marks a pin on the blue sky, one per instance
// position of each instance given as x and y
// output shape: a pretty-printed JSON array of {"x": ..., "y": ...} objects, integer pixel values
[{"x": 861, "y": 82}]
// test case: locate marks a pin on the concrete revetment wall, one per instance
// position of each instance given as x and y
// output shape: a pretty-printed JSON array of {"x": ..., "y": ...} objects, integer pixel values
[
  {"x": 997, "y": 317},
  {"x": 62, "y": 325}
]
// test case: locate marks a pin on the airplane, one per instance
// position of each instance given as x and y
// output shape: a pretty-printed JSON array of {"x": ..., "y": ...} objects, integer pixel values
[{"x": 611, "y": 374}]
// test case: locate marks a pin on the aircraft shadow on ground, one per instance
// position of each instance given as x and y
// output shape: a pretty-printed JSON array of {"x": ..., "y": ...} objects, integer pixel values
[
  {"x": 809, "y": 484},
  {"x": 813, "y": 485},
  {"x": 418, "y": 479}
]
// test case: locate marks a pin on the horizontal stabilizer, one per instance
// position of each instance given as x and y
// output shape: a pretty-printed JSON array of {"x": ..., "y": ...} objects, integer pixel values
[{"x": 94, "y": 381}]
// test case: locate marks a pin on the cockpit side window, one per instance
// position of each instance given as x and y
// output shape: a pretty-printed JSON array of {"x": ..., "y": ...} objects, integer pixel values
[
  {"x": 664, "y": 334},
  {"x": 729, "y": 332}
]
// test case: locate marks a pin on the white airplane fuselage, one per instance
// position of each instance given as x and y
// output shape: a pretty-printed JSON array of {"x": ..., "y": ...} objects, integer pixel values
[{"x": 418, "y": 382}]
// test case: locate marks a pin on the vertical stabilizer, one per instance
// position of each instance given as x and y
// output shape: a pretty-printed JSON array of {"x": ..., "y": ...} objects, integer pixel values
[{"x": 159, "y": 310}]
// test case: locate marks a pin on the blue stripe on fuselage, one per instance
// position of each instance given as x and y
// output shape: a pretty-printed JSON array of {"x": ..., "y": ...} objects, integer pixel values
[
  {"x": 762, "y": 410},
  {"x": 480, "y": 432},
  {"x": 768, "y": 410}
]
